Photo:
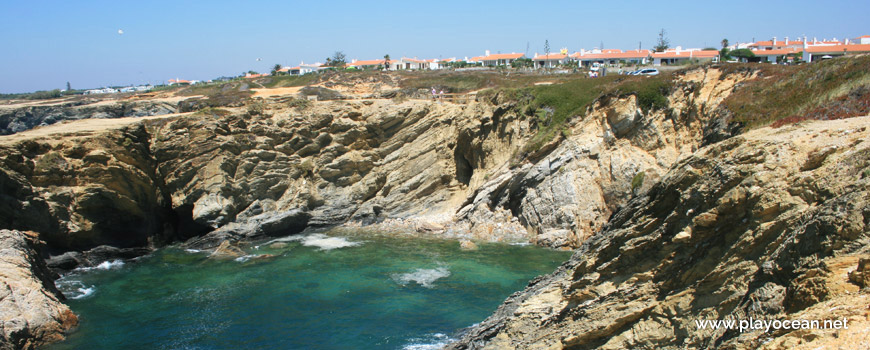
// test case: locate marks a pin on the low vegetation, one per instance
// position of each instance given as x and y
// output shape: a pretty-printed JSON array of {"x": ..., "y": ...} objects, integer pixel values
[
  {"x": 554, "y": 105},
  {"x": 830, "y": 89}
]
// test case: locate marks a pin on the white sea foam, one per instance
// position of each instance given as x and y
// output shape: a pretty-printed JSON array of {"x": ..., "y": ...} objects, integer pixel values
[
  {"x": 193, "y": 251},
  {"x": 521, "y": 244},
  {"x": 430, "y": 342},
  {"x": 286, "y": 239},
  {"x": 74, "y": 289},
  {"x": 423, "y": 277},
  {"x": 244, "y": 258},
  {"x": 105, "y": 265},
  {"x": 325, "y": 242}
]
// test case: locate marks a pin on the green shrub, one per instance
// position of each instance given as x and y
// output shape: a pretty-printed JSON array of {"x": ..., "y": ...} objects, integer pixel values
[{"x": 637, "y": 181}]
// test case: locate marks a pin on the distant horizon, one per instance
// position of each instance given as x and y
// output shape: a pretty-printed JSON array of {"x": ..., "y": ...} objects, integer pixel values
[{"x": 51, "y": 43}]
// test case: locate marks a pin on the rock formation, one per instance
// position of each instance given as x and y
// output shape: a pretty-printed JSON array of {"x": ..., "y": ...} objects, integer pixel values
[
  {"x": 764, "y": 225},
  {"x": 279, "y": 169},
  {"x": 31, "y": 311},
  {"x": 13, "y": 120}
]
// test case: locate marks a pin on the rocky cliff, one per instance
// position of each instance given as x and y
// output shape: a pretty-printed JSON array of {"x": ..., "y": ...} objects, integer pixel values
[
  {"x": 766, "y": 225},
  {"x": 31, "y": 311},
  {"x": 15, "y": 119},
  {"x": 277, "y": 167}
]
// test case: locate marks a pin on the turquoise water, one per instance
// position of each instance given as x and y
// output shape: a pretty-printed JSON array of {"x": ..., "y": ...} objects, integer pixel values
[{"x": 317, "y": 292}]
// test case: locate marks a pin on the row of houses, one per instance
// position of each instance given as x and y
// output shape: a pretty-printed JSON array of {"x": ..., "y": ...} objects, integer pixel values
[
  {"x": 807, "y": 50},
  {"x": 140, "y": 88},
  {"x": 765, "y": 51}
]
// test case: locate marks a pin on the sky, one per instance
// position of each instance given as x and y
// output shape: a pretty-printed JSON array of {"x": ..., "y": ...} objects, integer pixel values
[{"x": 46, "y": 44}]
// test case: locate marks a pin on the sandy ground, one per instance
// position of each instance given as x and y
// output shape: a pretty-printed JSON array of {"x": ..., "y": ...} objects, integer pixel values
[
  {"x": 82, "y": 127},
  {"x": 276, "y": 91}
]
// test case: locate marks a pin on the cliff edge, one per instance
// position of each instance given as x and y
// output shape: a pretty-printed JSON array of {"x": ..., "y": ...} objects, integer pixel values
[{"x": 768, "y": 225}]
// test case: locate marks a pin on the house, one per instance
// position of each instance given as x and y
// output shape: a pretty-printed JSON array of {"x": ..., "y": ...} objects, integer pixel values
[
  {"x": 178, "y": 82},
  {"x": 254, "y": 76},
  {"x": 811, "y": 53},
  {"x": 500, "y": 59},
  {"x": 368, "y": 64},
  {"x": 861, "y": 40},
  {"x": 611, "y": 56},
  {"x": 551, "y": 60},
  {"x": 774, "y": 44},
  {"x": 405, "y": 63},
  {"x": 679, "y": 55},
  {"x": 303, "y": 68},
  {"x": 777, "y": 55}
]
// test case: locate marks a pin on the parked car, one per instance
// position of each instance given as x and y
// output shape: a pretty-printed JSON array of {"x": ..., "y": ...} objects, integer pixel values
[{"x": 647, "y": 71}]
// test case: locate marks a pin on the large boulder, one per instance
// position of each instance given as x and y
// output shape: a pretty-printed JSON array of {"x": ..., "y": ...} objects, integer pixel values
[{"x": 31, "y": 311}]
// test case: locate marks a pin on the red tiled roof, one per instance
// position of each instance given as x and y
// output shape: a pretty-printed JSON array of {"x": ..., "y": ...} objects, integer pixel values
[
  {"x": 839, "y": 48},
  {"x": 501, "y": 56},
  {"x": 778, "y": 43},
  {"x": 612, "y": 55},
  {"x": 413, "y": 60},
  {"x": 551, "y": 57},
  {"x": 864, "y": 37},
  {"x": 367, "y": 63},
  {"x": 777, "y": 52},
  {"x": 179, "y": 81},
  {"x": 686, "y": 54}
]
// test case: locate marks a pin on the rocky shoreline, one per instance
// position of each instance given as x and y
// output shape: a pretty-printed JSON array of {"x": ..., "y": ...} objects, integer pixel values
[
  {"x": 663, "y": 204},
  {"x": 32, "y": 312}
]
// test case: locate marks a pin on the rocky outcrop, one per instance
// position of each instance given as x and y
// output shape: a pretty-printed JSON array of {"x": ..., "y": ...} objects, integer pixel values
[
  {"x": 13, "y": 120},
  {"x": 759, "y": 225},
  {"x": 615, "y": 151},
  {"x": 31, "y": 311},
  {"x": 82, "y": 192},
  {"x": 288, "y": 167}
]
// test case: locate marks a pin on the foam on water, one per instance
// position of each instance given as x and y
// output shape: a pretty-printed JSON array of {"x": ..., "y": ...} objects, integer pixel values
[
  {"x": 430, "y": 342},
  {"x": 74, "y": 289},
  {"x": 423, "y": 277},
  {"x": 325, "y": 242},
  {"x": 105, "y": 265},
  {"x": 193, "y": 251}
]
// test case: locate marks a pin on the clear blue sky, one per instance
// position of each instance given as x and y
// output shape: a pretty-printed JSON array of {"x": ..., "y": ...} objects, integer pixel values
[{"x": 47, "y": 43}]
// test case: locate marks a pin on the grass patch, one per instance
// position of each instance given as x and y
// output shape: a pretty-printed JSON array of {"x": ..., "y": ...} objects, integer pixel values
[
  {"x": 830, "y": 89},
  {"x": 465, "y": 81},
  {"x": 280, "y": 81},
  {"x": 554, "y": 105}
]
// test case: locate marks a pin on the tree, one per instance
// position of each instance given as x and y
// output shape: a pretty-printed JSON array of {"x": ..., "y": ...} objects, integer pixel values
[
  {"x": 546, "y": 51},
  {"x": 275, "y": 69},
  {"x": 724, "y": 43},
  {"x": 337, "y": 60},
  {"x": 662, "y": 44},
  {"x": 387, "y": 61},
  {"x": 742, "y": 54}
]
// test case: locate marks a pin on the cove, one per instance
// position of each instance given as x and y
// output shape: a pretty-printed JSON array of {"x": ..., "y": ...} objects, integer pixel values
[{"x": 314, "y": 292}]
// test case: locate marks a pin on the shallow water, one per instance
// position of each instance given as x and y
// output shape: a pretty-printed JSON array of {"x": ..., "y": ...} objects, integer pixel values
[{"x": 318, "y": 292}]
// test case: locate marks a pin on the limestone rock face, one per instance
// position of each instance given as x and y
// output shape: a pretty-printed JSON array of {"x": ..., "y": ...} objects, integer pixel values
[
  {"x": 82, "y": 192},
  {"x": 739, "y": 229},
  {"x": 31, "y": 311},
  {"x": 570, "y": 193}
]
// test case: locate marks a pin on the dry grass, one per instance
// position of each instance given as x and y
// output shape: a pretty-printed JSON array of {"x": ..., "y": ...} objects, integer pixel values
[{"x": 831, "y": 89}]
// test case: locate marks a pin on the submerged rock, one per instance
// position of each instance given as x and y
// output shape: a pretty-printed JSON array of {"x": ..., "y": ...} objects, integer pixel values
[
  {"x": 31, "y": 311},
  {"x": 467, "y": 245},
  {"x": 227, "y": 250}
]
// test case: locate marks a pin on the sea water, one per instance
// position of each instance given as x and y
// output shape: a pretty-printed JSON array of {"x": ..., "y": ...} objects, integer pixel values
[{"x": 310, "y": 292}]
